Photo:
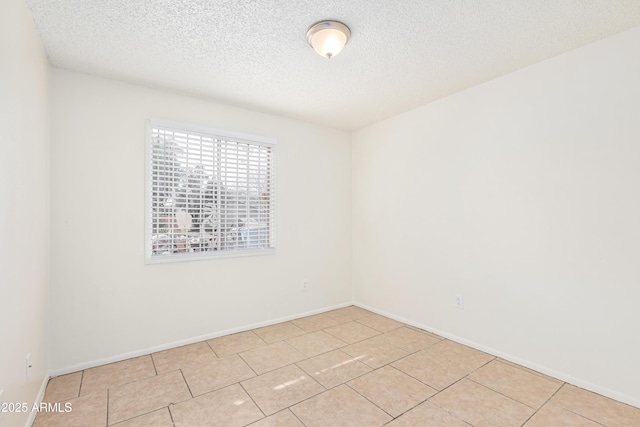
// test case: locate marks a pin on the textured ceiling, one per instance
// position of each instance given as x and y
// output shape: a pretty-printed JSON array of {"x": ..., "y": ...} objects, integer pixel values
[{"x": 253, "y": 53}]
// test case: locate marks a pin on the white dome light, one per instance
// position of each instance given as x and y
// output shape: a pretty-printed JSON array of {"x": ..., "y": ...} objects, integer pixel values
[{"x": 328, "y": 38}]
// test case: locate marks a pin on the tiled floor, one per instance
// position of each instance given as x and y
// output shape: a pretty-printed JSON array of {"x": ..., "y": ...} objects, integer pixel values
[{"x": 347, "y": 367}]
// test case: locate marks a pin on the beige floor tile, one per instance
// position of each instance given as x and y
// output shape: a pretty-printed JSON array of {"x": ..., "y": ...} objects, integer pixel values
[
  {"x": 557, "y": 416},
  {"x": 316, "y": 343},
  {"x": 159, "y": 418},
  {"x": 427, "y": 414},
  {"x": 144, "y": 396},
  {"x": 315, "y": 323},
  {"x": 116, "y": 374},
  {"x": 442, "y": 364},
  {"x": 228, "y": 407},
  {"x": 352, "y": 332},
  {"x": 375, "y": 352},
  {"x": 282, "y": 388},
  {"x": 347, "y": 314},
  {"x": 181, "y": 357},
  {"x": 279, "y": 332},
  {"x": 340, "y": 406},
  {"x": 596, "y": 407},
  {"x": 298, "y": 360},
  {"x": 85, "y": 411},
  {"x": 393, "y": 391},
  {"x": 410, "y": 339},
  {"x": 415, "y": 328},
  {"x": 217, "y": 373},
  {"x": 333, "y": 368},
  {"x": 531, "y": 371},
  {"x": 272, "y": 356},
  {"x": 518, "y": 384},
  {"x": 480, "y": 406},
  {"x": 339, "y": 317},
  {"x": 380, "y": 323},
  {"x": 63, "y": 388},
  {"x": 235, "y": 343},
  {"x": 281, "y": 419}
]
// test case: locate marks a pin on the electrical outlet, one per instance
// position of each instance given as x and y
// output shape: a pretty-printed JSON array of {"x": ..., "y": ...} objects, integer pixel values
[
  {"x": 460, "y": 302},
  {"x": 27, "y": 365},
  {"x": 305, "y": 284}
]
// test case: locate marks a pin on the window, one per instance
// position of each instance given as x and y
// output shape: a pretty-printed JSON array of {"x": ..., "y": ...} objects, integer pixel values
[{"x": 209, "y": 193}]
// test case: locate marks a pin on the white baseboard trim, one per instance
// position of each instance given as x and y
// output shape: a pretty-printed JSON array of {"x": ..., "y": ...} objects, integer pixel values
[
  {"x": 192, "y": 340},
  {"x": 526, "y": 363},
  {"x": 39, "y": 397}
]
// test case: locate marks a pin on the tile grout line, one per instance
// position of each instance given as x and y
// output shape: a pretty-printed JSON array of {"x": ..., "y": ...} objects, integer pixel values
[
  {"x": 247, "y": 363},
  {"x": 528, "y": 370},
  {"x": 171, "y": 415},
  {"x": 214, "y": 352},
  {"x": 186, "y": 383},
  {"x": 582, "y": 416},
  {"x": 81, "y": 381},
  {"x": 307, "y": 398},
  {"x": 144, "y": 414},
  {"x": 345, "y": 382},
  {"x": 409, "y": 352},
  {"x": 566, "y": 409},
  {"x": 501, "y": 394},
  {"x": 418, "y": 379},
  {"x": 421, "y": 402},
  {"x": 254, "y": 402},
  {"x": 455, "y": 382},
  {"x": 543, "y": 405},
  {"x": 496, "y": 359},
  {"x": 373, "y": 327},
  {"x": 439, "y": 391},
  {"x": 367, "y": 399},
  {"x": 297, "y": 418},
  {"x": 153, "y": 362},
  {"x": 446, "y": 410}
]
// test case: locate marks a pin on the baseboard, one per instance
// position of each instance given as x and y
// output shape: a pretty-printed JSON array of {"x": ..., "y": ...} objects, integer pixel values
[
  {"x": 526, "y": 363},
  {"x": 39, "y": 397},
  {"x": 192, "y": 340}
]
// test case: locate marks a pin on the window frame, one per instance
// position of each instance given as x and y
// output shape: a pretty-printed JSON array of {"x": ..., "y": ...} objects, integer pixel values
[{"x": 148, "y": 209}]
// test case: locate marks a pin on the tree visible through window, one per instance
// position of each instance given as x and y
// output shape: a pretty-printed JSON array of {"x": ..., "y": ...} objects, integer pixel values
[{"x": 210, "y": 192}]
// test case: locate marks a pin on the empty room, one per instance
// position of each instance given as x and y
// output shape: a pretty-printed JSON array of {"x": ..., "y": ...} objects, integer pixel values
[{"x": 340, "y": 213}]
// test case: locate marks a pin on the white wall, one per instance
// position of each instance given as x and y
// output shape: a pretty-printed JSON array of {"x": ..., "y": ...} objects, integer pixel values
[
  {"x": 523, "y": 195},
  {"x": 106, "y": 302},
  {"x": 24, "y": 207}
]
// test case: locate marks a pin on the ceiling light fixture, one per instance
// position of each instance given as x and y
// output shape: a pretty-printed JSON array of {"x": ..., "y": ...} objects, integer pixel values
[{"x": 328, "y": 38}]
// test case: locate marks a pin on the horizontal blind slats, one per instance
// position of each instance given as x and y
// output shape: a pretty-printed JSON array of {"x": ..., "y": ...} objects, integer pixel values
[{"x": 210, "y": 194}]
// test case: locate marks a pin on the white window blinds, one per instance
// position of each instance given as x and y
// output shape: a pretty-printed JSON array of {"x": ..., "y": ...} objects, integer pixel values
[{"x": 210, "y": 193}]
